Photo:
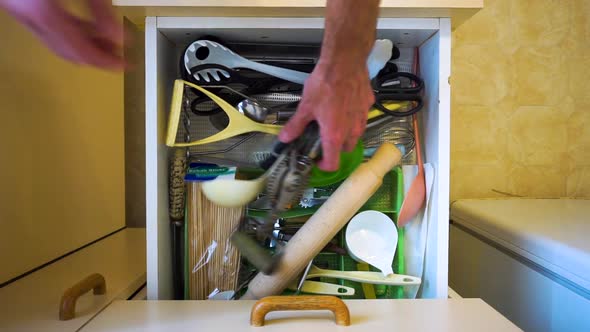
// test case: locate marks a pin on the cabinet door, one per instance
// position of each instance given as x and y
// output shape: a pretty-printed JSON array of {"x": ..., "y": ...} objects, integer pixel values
[
  {"x": 33, "y": 302},
  {"x": 61, "y": 137}
]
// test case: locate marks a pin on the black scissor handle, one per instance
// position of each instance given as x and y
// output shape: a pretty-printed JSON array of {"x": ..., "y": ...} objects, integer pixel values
[
  {"x": 388, "y": 83},
  {"x": 391, "y": 87},
  {"x": 381, "y": 98}
]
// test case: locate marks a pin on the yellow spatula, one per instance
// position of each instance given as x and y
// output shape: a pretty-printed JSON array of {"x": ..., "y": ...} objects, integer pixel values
[
  {"x": 238, "y": 123},
  {"x": 368, "y": 289}
]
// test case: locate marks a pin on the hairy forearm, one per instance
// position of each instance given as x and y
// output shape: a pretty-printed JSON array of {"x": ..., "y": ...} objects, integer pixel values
[
  {"x": 349, "y": 33},
  {"x": 338, "y": 92},
  {"x": 12, "y": 5},
  {"x": 4, "y": 5},
  {"x": 18, "y": 7}
]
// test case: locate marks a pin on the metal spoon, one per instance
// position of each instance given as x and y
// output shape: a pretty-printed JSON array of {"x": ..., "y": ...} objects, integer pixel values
[
  {"x": 260, "y": 113},
  {"x": 253, "y": 110}
]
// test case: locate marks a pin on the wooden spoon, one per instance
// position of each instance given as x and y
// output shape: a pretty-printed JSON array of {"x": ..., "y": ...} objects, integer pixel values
[{"x": 417, "y": 193}]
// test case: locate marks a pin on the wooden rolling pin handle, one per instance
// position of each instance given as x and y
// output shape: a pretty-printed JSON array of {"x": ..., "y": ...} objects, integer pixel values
[
  {"x": 385, "y": 158},
  {"x": 67, "y": 306},
  {"x": 280, "y": 303}
]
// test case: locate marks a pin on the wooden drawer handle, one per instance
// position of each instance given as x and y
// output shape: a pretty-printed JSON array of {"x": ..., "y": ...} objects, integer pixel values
[
  {"x": 67, "y": 306},
  {"x": 280, "y": 303}
]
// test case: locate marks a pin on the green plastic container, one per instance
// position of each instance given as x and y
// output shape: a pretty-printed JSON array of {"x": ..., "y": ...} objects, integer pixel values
[
  {"x": 349, "y": 161},
  {"x": 388, "y": 199}
]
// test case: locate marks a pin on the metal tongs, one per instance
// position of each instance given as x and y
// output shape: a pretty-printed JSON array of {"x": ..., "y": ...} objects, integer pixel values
[{"x": 289, "y": 167}]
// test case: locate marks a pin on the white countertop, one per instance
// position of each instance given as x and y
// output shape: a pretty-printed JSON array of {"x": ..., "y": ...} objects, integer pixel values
[
  {"x": 366, "y": 315},
  {"x": 137, "y": 10}
]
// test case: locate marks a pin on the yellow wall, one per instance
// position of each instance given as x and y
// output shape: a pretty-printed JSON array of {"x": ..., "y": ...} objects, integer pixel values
[
  {"x": 61, "y": 137},
  {"x": 520, "y": 124},
  {"x": 521, "y": 100}
]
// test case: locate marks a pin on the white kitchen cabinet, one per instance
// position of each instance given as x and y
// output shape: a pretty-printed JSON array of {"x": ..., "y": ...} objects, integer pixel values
[
  {"x": 32, "y": 303},
  {"x": 137, "y": 10},
  {"x": 165, "y": 39},
  {"x": 365, "y": 315}
]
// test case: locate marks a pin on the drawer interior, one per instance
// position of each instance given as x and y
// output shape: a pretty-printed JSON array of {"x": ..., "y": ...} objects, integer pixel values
[
  {"x": 166, "y": 40},
  {"x": 387, "y": 199}
]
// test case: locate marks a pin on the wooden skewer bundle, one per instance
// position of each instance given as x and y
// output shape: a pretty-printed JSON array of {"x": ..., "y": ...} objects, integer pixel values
[{"x": 208, "y": 222}]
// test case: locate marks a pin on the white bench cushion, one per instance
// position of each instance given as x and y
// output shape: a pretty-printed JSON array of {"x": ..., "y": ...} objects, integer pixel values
[{"x": 554, "y": 233}]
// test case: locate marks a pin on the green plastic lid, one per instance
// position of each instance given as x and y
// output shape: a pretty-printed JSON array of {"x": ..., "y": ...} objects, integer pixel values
[{"x": 349, "y": 161}]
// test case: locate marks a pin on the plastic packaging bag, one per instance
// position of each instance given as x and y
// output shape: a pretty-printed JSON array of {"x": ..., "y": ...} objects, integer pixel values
[
  {"x": 212, "y": 261},
  {"x": 416, "y": 231}
]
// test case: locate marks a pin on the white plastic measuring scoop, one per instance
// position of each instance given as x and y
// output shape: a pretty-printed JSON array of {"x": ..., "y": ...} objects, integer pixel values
[{"x": 371, "y": 237}]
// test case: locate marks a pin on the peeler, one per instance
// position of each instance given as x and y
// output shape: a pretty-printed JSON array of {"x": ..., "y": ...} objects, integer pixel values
[{"x": 289, "y": 168}]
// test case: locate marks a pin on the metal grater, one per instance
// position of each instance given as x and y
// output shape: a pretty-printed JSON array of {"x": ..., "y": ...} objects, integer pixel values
[
  {"x": 247, "y": 149},
  {"x": 277, "y": 98}
]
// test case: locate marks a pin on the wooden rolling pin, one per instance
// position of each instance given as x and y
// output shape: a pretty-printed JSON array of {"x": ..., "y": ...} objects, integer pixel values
[{"x": 325, "y": 223}]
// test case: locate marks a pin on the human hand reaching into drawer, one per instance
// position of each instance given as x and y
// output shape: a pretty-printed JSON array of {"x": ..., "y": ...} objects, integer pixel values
[
  {"x": 338, "y": 93},
  {"x": 95, "y": 41}
]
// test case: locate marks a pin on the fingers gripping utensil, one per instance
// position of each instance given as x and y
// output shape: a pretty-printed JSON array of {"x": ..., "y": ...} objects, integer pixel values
[
  {"x": 255, "y": 111},
  {"x": 371, "y": 237},
  {"x": 204, "y": 52},
  {"x": 284, "y": 181}
]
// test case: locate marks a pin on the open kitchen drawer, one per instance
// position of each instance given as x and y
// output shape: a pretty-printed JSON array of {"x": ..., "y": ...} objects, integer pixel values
[{"x": 166, "y": 38}]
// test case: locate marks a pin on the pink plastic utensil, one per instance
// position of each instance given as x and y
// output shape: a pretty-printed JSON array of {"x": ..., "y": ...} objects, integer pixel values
[{"x": 416, "y": 195}]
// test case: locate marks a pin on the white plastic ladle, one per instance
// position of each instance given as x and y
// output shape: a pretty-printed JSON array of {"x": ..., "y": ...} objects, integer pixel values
[
  {"x": 371, "y": 237},
  {"x": 233, "y": 193}
]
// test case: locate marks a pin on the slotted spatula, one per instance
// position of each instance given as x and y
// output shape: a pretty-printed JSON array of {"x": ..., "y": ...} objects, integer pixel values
[{"x": 203, "y": 52}]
